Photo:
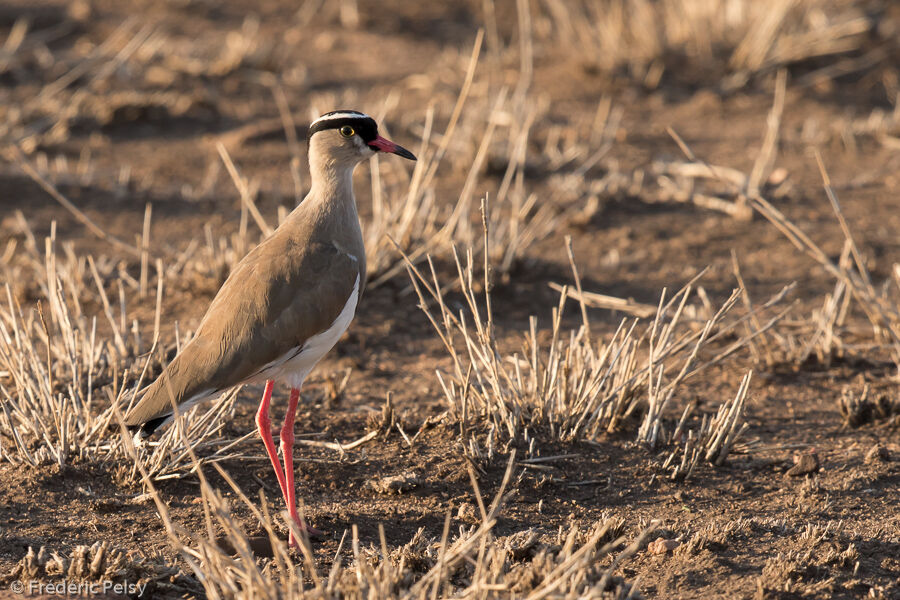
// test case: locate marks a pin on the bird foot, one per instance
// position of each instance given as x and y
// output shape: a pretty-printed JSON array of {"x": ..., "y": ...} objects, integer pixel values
[{"x": 312, "y": 532}]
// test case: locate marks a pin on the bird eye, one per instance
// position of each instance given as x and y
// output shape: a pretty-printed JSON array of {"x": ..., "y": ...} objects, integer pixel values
[{"x": 347, "y": 131}]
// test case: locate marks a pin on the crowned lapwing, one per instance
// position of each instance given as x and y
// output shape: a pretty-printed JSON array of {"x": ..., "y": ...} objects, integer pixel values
[{"x": 286, "y": 304}]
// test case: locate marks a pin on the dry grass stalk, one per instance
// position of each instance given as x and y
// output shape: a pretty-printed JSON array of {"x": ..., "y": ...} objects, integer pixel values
[
  {"x": 246, "y": 197},
  {"x": 416, "y": 222},
  {"x": 595, "y": 300},
  {"x": 101, "y": 562},
  {"x": 823, "y": 335},
  {"x": 879, "y": 304},
  {"x": 48, "y": 187}
]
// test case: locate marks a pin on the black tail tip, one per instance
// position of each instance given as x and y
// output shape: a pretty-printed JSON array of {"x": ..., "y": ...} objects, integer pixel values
[{"x": 147, "y": 428}]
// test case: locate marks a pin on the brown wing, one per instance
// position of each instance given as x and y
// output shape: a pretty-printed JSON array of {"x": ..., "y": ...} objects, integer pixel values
[{"x": 276, "y": 298}]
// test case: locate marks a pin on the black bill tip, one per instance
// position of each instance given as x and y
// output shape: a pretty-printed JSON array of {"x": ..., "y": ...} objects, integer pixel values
[{"x": 401, "y": 151}]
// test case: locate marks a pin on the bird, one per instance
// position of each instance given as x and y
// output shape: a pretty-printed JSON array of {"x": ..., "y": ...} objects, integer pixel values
[{"x": 285, "y": 304}]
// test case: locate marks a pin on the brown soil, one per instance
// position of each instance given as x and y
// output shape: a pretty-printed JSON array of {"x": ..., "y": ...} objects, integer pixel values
[{"x": 755, "y": 517}]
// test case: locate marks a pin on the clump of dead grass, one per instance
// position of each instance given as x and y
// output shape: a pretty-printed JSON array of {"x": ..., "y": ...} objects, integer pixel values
[
  {"x": 859, "y": 409},
  {"x": 575, "y": 387},
  {"x": 64, "y": 372},
  {"x": 817, "y": 560},
  {"x": 51, "y": 360},
  {"x": 715, "y": 438}
]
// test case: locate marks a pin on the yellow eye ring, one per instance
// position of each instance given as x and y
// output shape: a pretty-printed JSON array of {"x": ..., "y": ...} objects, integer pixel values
[{"x": 347, "y": 131}]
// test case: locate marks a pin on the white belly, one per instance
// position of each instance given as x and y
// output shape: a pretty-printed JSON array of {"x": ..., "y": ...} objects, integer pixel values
[{"x": 293, "y": 367}]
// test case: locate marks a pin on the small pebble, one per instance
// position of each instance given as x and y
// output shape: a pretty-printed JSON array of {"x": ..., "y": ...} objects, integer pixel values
[
  {"x": 878, "y": 453},
  {"x": 805, "y": 464},
  {"x": 395, "y": 484},
  {"x": 778, "y": 176},
  {"x": 661, "y": 546}
]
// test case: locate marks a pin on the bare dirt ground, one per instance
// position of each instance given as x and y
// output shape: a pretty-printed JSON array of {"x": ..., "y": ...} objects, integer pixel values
[{"x": 763, "y": 533}]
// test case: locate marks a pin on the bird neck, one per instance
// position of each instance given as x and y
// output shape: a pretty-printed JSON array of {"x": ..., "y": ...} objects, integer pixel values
[
  {"x": 331, "y": 196},
  {"x": 330, "y": 179}
]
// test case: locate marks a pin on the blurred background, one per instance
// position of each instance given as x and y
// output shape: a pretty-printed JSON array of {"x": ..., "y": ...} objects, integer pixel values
[{"x": 146, "y": 146}]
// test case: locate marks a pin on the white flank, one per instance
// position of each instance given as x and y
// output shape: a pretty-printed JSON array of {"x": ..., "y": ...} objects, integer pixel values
[{"x": 296, "y": 364}]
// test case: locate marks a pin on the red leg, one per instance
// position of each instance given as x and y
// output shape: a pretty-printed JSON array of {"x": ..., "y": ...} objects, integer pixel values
[
  {"x": 265, "y": 432},
  {"x": 287, "y": 452}
]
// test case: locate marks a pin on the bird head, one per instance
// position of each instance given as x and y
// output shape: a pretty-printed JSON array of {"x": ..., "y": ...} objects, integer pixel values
[{"x": 347, "y": 137}]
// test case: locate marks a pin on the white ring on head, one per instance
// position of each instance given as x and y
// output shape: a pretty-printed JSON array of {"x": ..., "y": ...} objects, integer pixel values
[{"x": 340, "y": 115}]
